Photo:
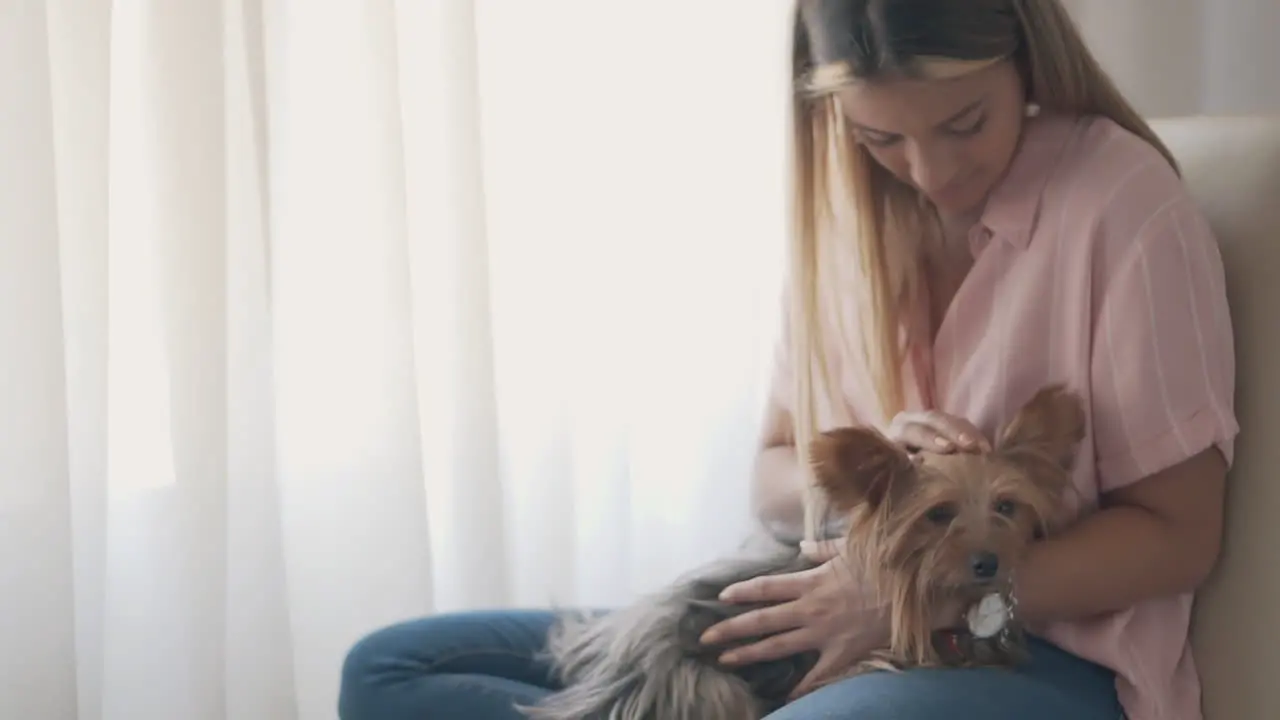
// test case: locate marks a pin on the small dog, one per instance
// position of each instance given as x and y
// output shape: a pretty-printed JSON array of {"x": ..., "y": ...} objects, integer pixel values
[{"x": 931, "y": 530}]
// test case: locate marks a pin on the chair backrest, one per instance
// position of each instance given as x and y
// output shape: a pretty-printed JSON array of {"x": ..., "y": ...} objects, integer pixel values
[{"x": 1232, "y": 166}]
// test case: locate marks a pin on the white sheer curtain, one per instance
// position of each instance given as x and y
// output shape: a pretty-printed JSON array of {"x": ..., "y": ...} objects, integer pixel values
[{"x": 318, "y": 314}]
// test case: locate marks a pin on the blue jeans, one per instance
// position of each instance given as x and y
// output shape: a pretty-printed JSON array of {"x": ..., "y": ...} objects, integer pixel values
[{"x": 476, "y": 666}]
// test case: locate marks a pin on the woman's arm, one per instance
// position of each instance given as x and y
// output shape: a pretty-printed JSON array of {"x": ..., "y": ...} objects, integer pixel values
[
  {"x": 1157, "y": 537},
  {"x": 1162, "y": 384},
  {"x": 778, "y": 486}
]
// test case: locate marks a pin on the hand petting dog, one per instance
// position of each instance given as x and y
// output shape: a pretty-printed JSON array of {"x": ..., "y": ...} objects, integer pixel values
[
  {"x": 936, "y": 432},
  {"x": 829, "y": 608},
  {"x": 935, "y": 536},
  {"x": 825, "y": 609}
]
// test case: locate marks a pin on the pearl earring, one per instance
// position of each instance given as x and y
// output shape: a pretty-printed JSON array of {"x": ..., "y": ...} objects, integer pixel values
[{"x": 1032, "y": 110}]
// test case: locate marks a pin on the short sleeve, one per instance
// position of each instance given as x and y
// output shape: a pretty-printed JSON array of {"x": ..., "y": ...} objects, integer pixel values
[{"x": 1163, "y": 358}]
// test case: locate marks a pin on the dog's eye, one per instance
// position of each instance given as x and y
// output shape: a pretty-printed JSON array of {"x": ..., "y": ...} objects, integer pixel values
[
  {"x": 1005, "y": 508},
  {"x": 941, "y": 514}
]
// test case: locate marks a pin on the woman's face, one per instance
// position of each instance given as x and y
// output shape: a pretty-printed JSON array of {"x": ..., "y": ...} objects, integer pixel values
[{"x": 951, "y": 139}]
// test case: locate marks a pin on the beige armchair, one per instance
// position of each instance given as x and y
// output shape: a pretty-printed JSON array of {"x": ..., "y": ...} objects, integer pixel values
[{"x": 1233, "y": 168}]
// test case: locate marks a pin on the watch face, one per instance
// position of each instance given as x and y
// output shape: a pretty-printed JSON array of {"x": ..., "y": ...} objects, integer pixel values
[{"x": 988, "y": 617}]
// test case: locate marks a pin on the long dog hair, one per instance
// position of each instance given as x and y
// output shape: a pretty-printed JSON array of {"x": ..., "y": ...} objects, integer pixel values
[
  {"x": 925, "y": 528},
  {"x": 646, "y": 662}
]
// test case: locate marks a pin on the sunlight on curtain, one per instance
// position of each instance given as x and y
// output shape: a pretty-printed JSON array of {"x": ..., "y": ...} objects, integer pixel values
[
  {"x": 320, "y": 316},
  {"x": 348, "y": 461},
  {"x": 448, "y": 252},
  {"x": 633, "y": 177},
  {"x": 37, "y": 654},
  {"x": 139, "y": 444}
]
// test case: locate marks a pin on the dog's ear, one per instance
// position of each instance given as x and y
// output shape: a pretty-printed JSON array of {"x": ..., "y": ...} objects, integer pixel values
[
  {"x": 1050, "y": 426},
  {"x": 856, "y": 465},
  {"x": 1043, "y": 439}
]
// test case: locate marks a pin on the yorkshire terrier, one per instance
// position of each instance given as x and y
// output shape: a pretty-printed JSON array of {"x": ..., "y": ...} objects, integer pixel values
[{"x": 929, "y": 530}]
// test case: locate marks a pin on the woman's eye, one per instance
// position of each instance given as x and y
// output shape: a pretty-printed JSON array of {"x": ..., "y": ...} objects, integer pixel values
[
  {"x": 970, "y": 127},
  {"x": 877, "y": 140},
  {"x": 1006, "y": 508}
]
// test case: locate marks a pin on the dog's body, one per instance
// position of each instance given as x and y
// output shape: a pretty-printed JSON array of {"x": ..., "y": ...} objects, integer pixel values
[
  {"x": 927, "y": 529},
  {"x": 645, "y": 662}
]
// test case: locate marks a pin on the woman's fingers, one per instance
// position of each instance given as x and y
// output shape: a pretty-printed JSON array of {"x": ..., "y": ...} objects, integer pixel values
[
  {"x": 764, "y": 621},
  {"x": 786, "y": 613},
  {"x": 938, "y": 432},
  {"x": 770, "y": 588},
  {"x": 919, "y": 436},
  {"x": 821, "y": 551},
  {"x": 775, "y": 647},
  {"x": 959, "y": 431}
]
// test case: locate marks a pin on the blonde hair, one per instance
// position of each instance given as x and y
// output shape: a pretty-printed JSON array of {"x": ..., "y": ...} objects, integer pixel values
[{"x": 837, "y": 185}]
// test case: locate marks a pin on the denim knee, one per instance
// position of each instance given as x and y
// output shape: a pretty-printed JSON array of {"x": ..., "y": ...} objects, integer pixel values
[
  {"x": 461, "y": 665},
  {"x": 363, "y": 668}
]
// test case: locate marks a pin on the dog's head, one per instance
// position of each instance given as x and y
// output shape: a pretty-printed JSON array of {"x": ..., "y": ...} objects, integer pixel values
[{"x": 953, "y": 524}]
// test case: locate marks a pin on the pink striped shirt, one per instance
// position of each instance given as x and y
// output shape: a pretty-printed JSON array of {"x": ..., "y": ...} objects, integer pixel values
[{"x": 1094, "y": 267}]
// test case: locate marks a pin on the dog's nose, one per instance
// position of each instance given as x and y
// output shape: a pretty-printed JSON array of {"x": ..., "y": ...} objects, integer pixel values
[{"x": 985, "y": 565}]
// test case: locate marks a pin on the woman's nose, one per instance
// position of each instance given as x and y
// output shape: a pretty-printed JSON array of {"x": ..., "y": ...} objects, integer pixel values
[{"x": 932, "y": 169}]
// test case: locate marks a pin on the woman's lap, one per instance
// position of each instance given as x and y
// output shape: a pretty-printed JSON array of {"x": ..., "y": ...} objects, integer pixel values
[
  {"x": 1054, "y": 685},
  {"x": 478, "y": 665},
  {"x": 474, "y": 665}
]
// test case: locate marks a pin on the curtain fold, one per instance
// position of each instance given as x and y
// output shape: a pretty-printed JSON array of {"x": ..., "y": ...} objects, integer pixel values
[{"x": 315, "y": 316}]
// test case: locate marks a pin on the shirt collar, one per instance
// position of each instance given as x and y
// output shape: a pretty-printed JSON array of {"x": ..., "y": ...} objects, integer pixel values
[{"x": 1014, "y": 204}]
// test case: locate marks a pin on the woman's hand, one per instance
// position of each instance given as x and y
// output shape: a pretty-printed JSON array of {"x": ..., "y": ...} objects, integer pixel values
[
  {"x": 936, "y": 431},
  {"x": 825, "y": 609}
]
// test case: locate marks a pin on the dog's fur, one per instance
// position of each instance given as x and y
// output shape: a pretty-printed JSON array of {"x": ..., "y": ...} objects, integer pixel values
[{"x": 917, "y": 522}]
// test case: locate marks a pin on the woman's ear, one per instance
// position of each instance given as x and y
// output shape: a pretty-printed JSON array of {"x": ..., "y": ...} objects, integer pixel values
[{"x": 857, "y": 465}]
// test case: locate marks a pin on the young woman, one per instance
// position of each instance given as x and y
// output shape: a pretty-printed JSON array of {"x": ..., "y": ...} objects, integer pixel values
[{"x": 978, "y": 213}]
